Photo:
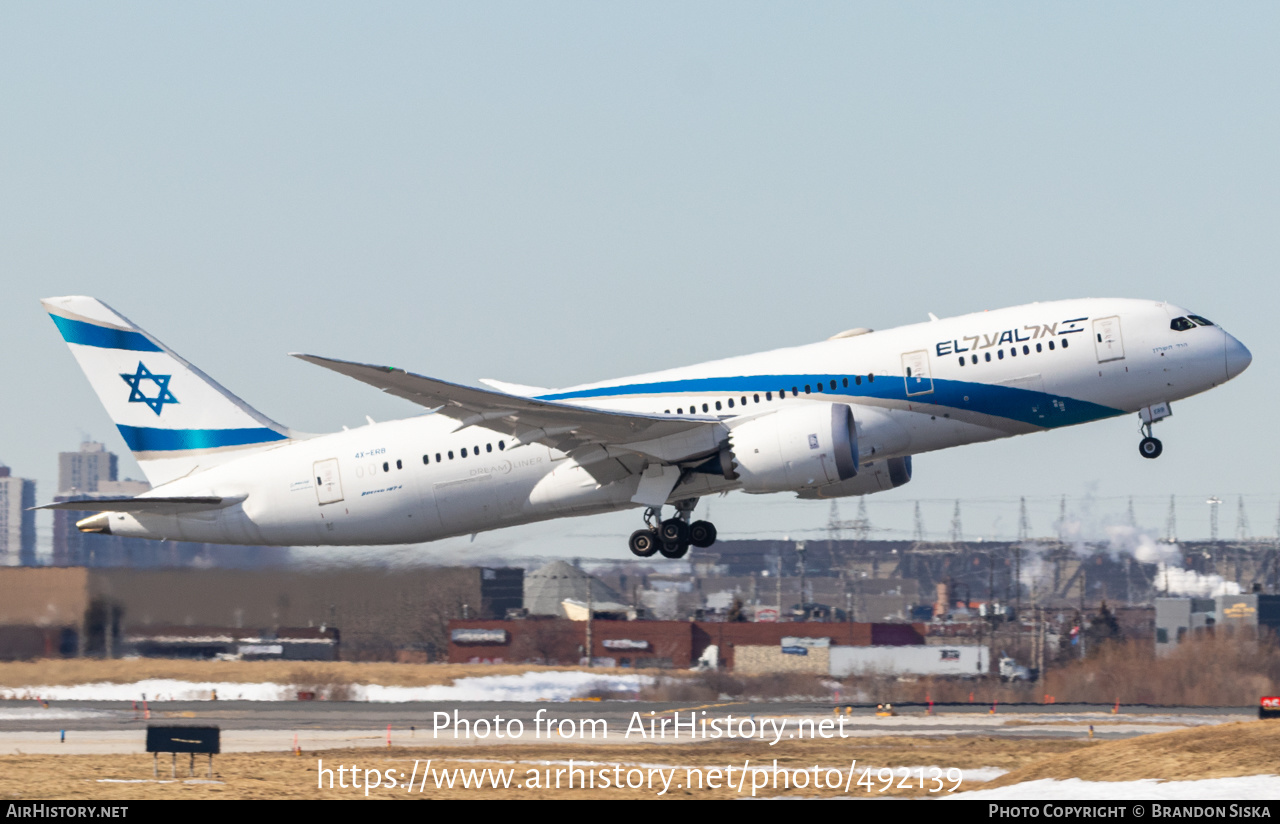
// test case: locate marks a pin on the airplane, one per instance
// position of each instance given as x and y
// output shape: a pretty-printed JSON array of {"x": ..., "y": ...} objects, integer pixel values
[{"x": 830, "y": 419}]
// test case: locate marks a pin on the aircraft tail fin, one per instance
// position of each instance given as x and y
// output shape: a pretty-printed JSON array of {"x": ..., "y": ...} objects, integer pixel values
[{"x": 174, "y": 418}]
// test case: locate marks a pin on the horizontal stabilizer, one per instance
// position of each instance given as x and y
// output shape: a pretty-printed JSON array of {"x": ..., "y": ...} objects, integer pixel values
[{"x": 156, "y": 505}]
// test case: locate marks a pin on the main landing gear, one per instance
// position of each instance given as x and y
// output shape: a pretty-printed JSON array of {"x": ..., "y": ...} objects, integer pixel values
[
  {"x": 1149, "y": 447},
  {"x": 674, "y": 536}
]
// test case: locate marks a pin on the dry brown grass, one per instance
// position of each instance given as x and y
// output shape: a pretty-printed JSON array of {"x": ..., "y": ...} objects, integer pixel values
[
  {"x": 1208, "y": 672},
  {"x": 715, "y": 685},
  {"x": 281, "y": 775},
  {"x": 89, "y": 671},
  {"x": 1223, "y": 751}
]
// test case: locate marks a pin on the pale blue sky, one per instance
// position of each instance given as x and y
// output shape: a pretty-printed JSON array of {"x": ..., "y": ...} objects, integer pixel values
[{"x": 560, "y": 192}]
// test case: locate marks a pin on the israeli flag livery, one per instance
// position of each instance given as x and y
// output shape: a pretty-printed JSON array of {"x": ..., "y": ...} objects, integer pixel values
[{"x": 175, "y": 418}]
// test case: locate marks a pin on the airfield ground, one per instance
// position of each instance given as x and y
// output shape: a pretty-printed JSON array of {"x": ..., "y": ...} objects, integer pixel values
[{"x": 102, "y": 758}]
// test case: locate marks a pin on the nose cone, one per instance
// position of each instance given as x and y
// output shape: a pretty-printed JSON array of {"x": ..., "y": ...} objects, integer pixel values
[{"x": 1238, "y": 357}]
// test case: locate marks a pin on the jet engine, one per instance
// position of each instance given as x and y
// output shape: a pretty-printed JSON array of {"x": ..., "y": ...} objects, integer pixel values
[
  {"x": 875, "y": 477},
  {"x": 808, "y": 445}
]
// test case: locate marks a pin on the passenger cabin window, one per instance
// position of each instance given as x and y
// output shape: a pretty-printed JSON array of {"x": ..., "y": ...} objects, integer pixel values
[
  {"x": 871, "y": 378},
  {"x": 844, "y": 382},
  {"x": 744, "y": 399},
  {"x": 464, "y": 452},
  {"x": 1200, "y": 320},
  {"x": 488, "y": 447},
  {"x": 704, "y": 407},
  {"x": 857, "y": 379},
  {"x": 451, "y": 454},
  {"x": 1038, "y": 349},
  {"x": 1000, "y": 354},
  {"x": 717, "y": 405},
  {"x": 986, "y": 356},
  {"x": 730, "y": 404},
  {"x": 425, "y": 459},
  {"x": 385, "y": 467},
  {"x": 501, "y": 445},
  {"x": 1026, "y": 350},
  {"x": 768, "y": 396},
  {"x": 1013, "y": 351},
  {"x": 833, "y": 386},
  {"x": 755, "y": 398},
  {"x": 962, "y": 360},
  {"x": 398, "y": 464},
  {"x": 1050, "y": 346},
  {"x": 437, "y": 457},
  {"x": 1177, "y": 325},
  {"x": 1064, "y": 343}
]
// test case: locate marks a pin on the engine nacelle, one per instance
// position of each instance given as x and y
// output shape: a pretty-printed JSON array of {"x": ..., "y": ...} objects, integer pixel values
[
  {"x": 877, "y": 477},
  {"x": 808, "y": 445}
]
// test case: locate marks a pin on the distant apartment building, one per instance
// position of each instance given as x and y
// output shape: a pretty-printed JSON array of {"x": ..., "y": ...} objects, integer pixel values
[
  {"x": 17, "y": 520},
  {"x": 81, "y": 472}
]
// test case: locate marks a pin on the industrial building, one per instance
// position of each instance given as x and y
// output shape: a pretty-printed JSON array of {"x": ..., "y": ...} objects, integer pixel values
[
  {"x": 380, "y": 613},
  {"x": 1178, "y": 619},
  {"x": 648, "y": 643}
]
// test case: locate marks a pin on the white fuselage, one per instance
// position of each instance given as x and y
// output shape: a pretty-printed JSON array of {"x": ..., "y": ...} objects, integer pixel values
[{"x": 1025, "y": 369}]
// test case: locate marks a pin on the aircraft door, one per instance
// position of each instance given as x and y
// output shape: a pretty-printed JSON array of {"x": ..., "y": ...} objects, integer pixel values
[
  {"x": 328, "y": 481},
  {"x": 915, "y": 370},
  {"x": 1107, "y": 339}
]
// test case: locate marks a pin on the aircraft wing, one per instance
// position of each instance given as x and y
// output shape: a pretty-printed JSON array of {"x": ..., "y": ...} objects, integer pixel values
[
  {"x": 158, "y": 505},
  {"x": 589, "y": 435}
]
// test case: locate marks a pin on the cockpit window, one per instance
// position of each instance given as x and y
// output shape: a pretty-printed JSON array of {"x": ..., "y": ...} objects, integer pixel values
[
  {"x": 1181, "y": 325},
  {"x": 1200, "y": 320}
]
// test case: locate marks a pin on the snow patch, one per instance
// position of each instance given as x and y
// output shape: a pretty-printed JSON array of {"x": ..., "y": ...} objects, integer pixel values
[
  {"x": 529, "y": 686},
  {"x": 1147, "y": 789}
]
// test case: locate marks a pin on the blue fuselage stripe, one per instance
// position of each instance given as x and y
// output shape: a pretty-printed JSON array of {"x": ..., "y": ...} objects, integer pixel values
[
  {"x": 1023, "y": 405},
  {"x": 103, "y": 337},
  {"x": 147, "y": 439}
]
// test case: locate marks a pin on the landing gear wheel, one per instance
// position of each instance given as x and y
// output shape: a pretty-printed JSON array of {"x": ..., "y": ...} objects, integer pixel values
[
  {"x": 644, "y": 542},
  {"x": 674, "y": 531},
  {"x": 1150, "y": 448},
  {"x": 702, "y": 534},
  {"x": 674, "y": 551}
]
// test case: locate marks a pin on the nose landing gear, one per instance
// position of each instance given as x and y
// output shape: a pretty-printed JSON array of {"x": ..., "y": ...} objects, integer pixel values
[
  {"x": 674, "y": 536},
  {"x": 1149, "y": 447}
]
